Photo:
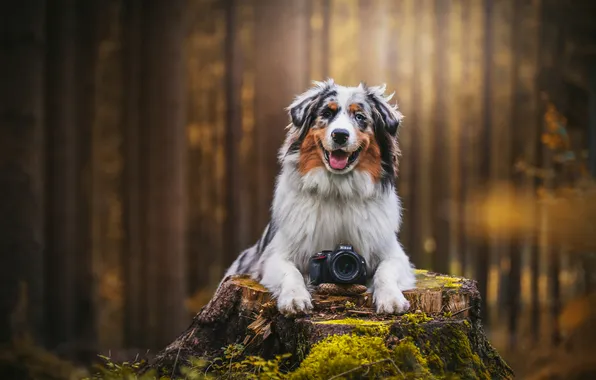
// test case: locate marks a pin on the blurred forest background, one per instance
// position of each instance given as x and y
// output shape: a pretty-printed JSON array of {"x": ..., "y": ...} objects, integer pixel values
[{"x": 138, "y": 146}]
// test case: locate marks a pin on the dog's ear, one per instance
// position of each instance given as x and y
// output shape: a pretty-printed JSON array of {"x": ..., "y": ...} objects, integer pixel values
[
  {"x": 303, "y": 108},
  {"x": 386, "y": 114}
]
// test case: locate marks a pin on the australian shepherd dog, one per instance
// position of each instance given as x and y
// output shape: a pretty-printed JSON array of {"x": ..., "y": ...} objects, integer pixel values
[{"x": 336, "y": 186}]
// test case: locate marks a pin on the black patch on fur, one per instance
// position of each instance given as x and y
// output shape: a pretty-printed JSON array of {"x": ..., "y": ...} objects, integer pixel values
[
  {"x": 385, "y": 126},
  {"x": 298, "y": 118},
  {"x": 387, "y": 163},
  {"x": 310, "y": 115},
  {"x": 241, "y": 260},
  {"x": 265, "y": 240},
  {"x": 391, "y": 123},
  {"x": 260, "y": 242}
]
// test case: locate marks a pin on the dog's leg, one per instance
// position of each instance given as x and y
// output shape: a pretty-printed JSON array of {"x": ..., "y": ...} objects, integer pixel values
[
  {"x": 286, "y": 283},
  {"x": 394, "y": 274}
]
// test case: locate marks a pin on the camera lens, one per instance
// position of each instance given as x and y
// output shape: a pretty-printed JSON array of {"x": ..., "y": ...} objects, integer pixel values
[{"x": 345, "y": 267}]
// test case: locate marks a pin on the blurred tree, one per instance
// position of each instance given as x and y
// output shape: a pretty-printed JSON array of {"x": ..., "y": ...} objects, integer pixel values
[
  {"x": 87, "y": 45},
  {"x": 62, "y": 227},
  {"x": 282, "y": 32},
  {"x": 162, "y": 153},
  {"x": 106, "y": 175},
  {"x": 69, "y": 107},
  {"x": 207, "y": 155},
  {"x": 21, "y": 167},
  {"x": 440, "y": 144},
  {"x": 133, "y": 263},
  {"x": 372, "y": 63},
  {"x": 235, "y": 184}
]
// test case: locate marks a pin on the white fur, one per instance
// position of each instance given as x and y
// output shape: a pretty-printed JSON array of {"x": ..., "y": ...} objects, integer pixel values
[
  {"x": 319, "y": 211},
  {"x": 342, "y": 122}
]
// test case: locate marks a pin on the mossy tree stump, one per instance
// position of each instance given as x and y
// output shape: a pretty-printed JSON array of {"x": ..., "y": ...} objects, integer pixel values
[{"x": 440, "y": 336}]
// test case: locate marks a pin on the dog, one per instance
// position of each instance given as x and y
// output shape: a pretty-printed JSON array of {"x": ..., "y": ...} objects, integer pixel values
[{"x": 339, "y": 163}]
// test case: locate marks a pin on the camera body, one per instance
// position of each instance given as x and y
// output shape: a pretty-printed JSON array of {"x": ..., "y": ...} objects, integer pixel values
[{"x": 339, "y": 266}]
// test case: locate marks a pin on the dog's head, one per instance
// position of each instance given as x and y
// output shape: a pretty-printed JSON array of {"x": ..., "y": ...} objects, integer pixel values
[{"x": 344, "y": 130}]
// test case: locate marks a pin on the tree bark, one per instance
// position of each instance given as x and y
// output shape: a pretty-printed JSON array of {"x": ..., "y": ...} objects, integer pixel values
[
  {"x": 22, "y": 31},
  {"x": 441, "y": 139},
  {"x": 163, "y": 156},
  {"x": 444, "y": 311},
  {"x": 281, "y": 29},
  {"x": 70, "y": 67},
  {"x": 235, "y": 178},
  {"x": 62, "y": 222},
  {"x": 87, "y": 45},
  {"x": 133, "y": 264}
]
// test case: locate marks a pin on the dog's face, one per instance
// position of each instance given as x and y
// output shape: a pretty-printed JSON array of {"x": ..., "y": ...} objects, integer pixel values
[{"x": 345, "y": 129}]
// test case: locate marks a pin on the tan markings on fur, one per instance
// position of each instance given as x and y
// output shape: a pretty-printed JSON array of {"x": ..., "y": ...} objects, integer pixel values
[
  {"x": 310, "y": 153},
  {"x": 370, "y": 156},
  {"x": 354, "y": 108},
  {"x": 332, "y": 106}
]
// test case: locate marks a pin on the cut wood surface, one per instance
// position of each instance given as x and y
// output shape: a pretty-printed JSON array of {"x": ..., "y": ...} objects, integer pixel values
[{"x": 443, "y": 319}]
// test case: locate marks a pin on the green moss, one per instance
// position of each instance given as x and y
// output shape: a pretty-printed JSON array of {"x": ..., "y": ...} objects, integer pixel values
[
  {"x": 365, "y": 357},
  {"x": 435, "y": 364},
  {"x": 448, "y": 351},
  {"x": 449, "y": 282},
  {"x": 415, "y": 318},
  {"x": 469, "y": 364},
  {"x": 424, "y": 281},
  {"x": 410, "y": 360},
  {"x": 362, "y": 326},
  {"x": 340, "y": 353},
  {"x": 302, "y": 346}
]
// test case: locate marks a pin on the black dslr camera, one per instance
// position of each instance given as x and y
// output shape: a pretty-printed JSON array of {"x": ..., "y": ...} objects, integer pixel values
[{"x": 340, "y": 266}]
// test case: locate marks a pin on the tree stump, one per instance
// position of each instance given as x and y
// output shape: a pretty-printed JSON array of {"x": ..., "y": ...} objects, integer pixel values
[{"x": 441, "y": 334}]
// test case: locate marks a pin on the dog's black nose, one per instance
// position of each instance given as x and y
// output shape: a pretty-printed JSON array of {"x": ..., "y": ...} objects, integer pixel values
[{"x": 340, "y": 136}]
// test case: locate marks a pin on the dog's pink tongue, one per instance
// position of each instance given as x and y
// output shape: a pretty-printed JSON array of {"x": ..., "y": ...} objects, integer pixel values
[{"x": 338, "y": 159}]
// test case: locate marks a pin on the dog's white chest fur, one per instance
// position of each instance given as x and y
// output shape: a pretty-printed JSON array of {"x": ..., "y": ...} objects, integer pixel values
[{"x": 324, "y": 210}]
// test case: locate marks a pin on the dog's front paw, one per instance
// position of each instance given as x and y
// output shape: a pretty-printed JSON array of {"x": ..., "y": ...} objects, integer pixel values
[
  {"x": 390, "y": 302},
  {"x": 294, "y": 301}
]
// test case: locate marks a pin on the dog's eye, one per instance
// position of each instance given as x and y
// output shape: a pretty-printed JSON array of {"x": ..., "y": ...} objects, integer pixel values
[
  {"x": 326, "y": 114},
  {"x": 360, "y": 117}
]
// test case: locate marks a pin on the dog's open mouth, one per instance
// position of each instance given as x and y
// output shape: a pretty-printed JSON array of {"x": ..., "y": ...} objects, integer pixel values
[{"x": 339, "y": 159}]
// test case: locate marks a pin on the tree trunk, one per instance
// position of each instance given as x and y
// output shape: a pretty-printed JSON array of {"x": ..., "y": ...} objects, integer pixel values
[
  {"x": 163, "y": 157},
  {"x": 69, "y": 113},
  {"x": 22, "y": 28},
  {"x": 133, "y": 182},
  {"x": 62, "y": 222},
  {"x": 441, "y": 166},
  {"x": 87, "y": 45},
  {"x": 443, "y": 323},
  {"x": 235, "y": 178},
  {"x": 281, "y": 32}
]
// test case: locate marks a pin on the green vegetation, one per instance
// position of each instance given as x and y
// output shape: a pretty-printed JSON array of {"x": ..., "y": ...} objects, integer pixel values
[
  {"x": 340, "y": 353},
  {"x": 441, "y": 353},
  {"x": 414, "y": 348},
  {"x": 415, "y": 318},
  {"x": 23, "y": 359},
  {"x": 362, "y": 326},
  {"x": 426, "y": 281}
]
